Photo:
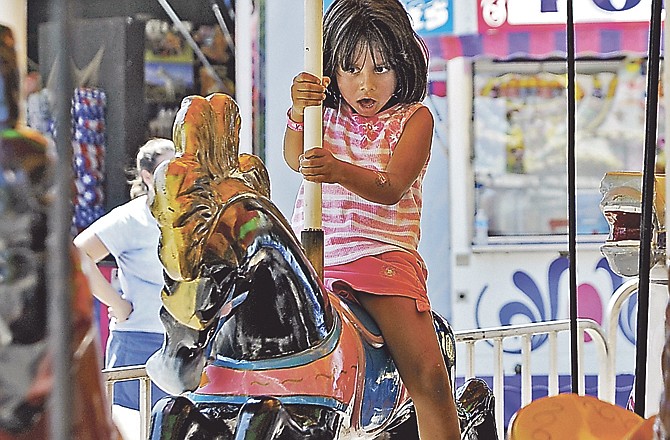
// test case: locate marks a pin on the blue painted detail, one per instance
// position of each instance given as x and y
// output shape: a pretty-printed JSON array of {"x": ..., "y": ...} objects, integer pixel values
[
  {"x": 382, "y": 382},
  {"x": 295, "y": 360},
  {"x": 381, "y": 388},
  {"x": 286, "y": 400}
]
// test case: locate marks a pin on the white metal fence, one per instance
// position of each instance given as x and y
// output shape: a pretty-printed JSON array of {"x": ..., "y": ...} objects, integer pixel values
[
  {"x": 605, "y": 339},
  {"x": 497, "y": 335},
  {"x": 139, "y": 373}
]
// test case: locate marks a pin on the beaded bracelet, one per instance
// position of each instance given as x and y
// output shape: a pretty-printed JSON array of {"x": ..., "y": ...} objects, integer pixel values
[{"x": 292, "y": 125}]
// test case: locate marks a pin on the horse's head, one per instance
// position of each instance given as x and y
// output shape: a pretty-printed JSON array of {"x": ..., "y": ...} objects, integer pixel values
[
  {"x": 190, "y": 193},
  {"x": 192, "y": 188},
  {"x": 230, "y": 257}
]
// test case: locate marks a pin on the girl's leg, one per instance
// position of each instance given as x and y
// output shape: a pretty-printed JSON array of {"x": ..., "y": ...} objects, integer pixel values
[{"x": 411, "y": 339}]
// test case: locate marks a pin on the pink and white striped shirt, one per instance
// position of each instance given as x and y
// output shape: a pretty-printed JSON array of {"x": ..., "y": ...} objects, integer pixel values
[{"x": 354, "y": 227}]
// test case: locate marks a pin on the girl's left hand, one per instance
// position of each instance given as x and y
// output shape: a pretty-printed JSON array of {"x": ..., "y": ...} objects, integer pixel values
[{"x": 319, "y": 165}]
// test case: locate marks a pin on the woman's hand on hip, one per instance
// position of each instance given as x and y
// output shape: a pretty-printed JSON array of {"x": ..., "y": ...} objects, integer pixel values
[{"x": 121, "y": 311}]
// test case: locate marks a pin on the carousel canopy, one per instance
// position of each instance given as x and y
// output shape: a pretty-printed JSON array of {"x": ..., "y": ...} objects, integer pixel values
[{"x": 602, "y": 40}]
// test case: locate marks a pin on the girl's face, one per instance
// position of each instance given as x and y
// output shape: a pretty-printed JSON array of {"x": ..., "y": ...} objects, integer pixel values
[{"x": 367, "y": 87}]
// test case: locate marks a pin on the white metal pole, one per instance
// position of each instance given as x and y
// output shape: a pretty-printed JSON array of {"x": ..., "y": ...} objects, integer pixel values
[
  {"x": 244, "y": 71},
  {"x": 312, "y": 234},
  {"x": 313, "y": 118},
  {"x": 666, "y": 104}
]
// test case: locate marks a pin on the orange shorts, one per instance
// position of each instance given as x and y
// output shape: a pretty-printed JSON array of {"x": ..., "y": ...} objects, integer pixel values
[{"x": 395, "y": 273}]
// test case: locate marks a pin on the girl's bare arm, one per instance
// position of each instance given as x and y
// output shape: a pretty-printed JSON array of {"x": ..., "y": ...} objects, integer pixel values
[
  {"x": 306, "y": 90},
  {"x": 387, "y": 187}
]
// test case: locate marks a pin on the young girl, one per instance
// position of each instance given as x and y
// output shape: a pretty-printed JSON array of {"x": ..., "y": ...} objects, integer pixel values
[{"x": 376, "y": 145}]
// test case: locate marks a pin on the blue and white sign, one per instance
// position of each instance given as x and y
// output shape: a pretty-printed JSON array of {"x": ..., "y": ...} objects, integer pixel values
[
  {"x": 522, "y": 12},
  {"x": 429, "y": 17}
]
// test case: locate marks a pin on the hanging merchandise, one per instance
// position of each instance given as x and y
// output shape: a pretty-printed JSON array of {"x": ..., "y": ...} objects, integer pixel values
[
  {"x": 88, "y": 155},
  {"x": 87, "y": 113},
  {"x": 88, "y": 144}
]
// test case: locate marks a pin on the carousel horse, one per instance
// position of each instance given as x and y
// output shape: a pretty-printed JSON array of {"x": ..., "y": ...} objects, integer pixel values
[
  {"x": 621, "y": 205},
  {"x": 25, "y": 361},
  {"x": 263, "y": 349},
  {"x": 572, "y": 417}
]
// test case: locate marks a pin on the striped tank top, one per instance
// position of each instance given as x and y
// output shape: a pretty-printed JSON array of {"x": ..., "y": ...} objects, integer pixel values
[{"x": 354, "y": 227}]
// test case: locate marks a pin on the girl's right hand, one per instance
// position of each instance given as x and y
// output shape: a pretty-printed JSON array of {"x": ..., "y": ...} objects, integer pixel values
[{"x": 307, "y": 90}]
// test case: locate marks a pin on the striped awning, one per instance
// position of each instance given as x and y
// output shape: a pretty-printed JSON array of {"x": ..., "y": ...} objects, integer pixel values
[{"x": 602, "y": 40}]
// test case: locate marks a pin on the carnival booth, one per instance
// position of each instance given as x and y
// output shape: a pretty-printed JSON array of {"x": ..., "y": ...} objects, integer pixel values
[{"x": 507, "y": 136}]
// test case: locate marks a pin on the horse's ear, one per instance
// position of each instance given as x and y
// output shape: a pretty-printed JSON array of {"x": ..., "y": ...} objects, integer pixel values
[
  {"x": 226, "y": 134},
  {"x": 192, "y": 132},
  {"x": 178, "y": 134},
  {"x": 254, "y": 173}
]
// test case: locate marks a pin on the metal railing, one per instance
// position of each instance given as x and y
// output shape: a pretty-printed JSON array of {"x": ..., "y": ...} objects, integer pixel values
[
  {"x": 139, "y": 373},
  {"x": 614, "y": 306},
  {"x": 605, "y": 338},
  {"x": 525, "y": 332}
]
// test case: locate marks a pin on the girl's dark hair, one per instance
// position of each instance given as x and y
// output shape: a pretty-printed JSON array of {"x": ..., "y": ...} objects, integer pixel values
[
  {"x": 351, "y": 26},
  {"x": 147, "y": 159}
]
